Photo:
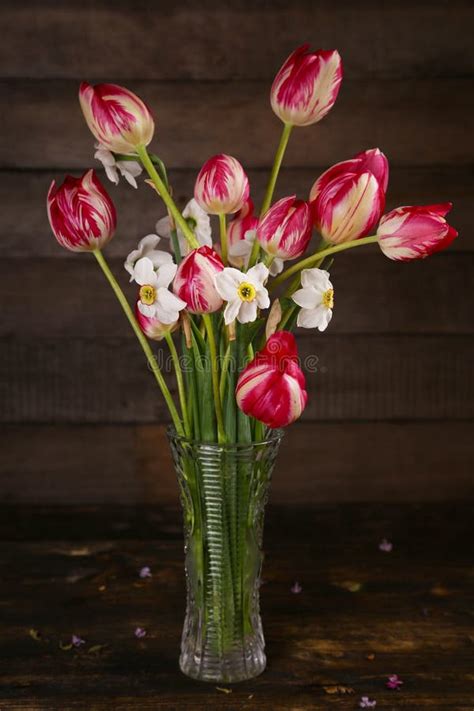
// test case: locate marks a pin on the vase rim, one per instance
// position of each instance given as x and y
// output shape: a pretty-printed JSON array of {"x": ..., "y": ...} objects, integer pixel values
[{"x": 274, "y": 436}]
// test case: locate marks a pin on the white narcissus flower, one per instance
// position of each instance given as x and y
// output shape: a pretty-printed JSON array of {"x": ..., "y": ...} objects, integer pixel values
[
  {"x": 155, "y": 299},
  {"x": 316, "y": 299},
  {"x": 199, "y": 222},
  {"x": 129, "y": 169},
  {"x": 244, "y": 292},
  {"x": 147, "y": 248}
]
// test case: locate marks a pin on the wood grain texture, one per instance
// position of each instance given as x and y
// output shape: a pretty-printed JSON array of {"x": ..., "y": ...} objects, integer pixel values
[
  {"x": 130, "y": 464},
  {"x": 417, "y": 121},
  {"x": 22, "y": 193},
  {"x": 74, "y": 571},
  {"x": 238, "y": 40},
  {"x": 359, "y": 377},
  {"x": 374, "y": 295}
]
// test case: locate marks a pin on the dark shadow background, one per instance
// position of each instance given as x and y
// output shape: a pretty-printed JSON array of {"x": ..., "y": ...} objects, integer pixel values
[{"x": 391, "y": 408}]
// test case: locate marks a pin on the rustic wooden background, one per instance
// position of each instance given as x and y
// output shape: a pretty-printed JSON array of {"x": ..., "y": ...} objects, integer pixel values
[{"x": 392, "y": 404}]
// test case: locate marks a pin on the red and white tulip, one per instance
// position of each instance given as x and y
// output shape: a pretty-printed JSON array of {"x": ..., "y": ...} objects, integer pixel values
[
  {"x": 241, "y": 234},
  {"x": 222, "y": 186},
  {"x": 117, "y": 117},
  {"x": 285, "y": 229},
  {"x": 415, "y": 232},
  {"x": 306, "y": 87},
  {"x": 81, "y": 214},
  {"x": 371, "y": 161},
  {"x": 272, "y": 387},
  {"x": 245, "y": 293},
  {"x": 152, "y": 327},
  {"x": 349, "y": 197},
  {"x": 195, "y": 281},
  {"x": 316, "y": 298}
]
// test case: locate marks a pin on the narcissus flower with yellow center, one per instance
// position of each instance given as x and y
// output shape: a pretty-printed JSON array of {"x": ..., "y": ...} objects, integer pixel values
[
  {"x": 155, "y": 299},
  {"x": 245, "y": 293},
  {"x": 316, "y": 299}
]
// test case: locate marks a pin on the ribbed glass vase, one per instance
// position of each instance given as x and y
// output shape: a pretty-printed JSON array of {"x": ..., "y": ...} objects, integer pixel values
[{"x": 224, "y": 489}]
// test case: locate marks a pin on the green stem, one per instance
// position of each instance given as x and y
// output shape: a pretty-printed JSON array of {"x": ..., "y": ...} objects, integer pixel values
[
  {"x": 166, "y": 197},
  {"x": 215, "y": 377},
  {"x": 142, "y": 340},
  {"x": 311, "y": 261},
  {"x": 285, "y": 137},
  {"x": 180, "y": 382},
  {"x": 223, "y": 231},
  {"x": 225, "y": 366},
  {"x": 176, "y": 248}
]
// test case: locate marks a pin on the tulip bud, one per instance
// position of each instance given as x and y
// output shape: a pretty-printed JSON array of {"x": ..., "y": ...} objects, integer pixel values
[
  {"x": 152, "y": 327},
  {"x": 371, "y": 161},
  {"x": 81, "y": 214},
  {"x": 285, "y": 230},
  {"x": 241, "y": 234},
  {"x": 415, "y": 232},
  {"x": 272, "y": 386},
  {"x": 306, "y": 87},
  {"x": 222, "y": 186},
  {"x": 117, "y": 117},
  {"x": 194, "y": 281},
  {"x": 349, "y": 198}
]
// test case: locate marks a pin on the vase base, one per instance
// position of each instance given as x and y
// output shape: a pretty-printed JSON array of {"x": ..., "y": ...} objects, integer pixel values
[{"x": 229, "y": 669}]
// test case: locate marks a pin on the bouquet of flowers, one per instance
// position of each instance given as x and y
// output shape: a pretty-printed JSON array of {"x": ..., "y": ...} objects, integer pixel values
[{"x": 230, "y": 302}]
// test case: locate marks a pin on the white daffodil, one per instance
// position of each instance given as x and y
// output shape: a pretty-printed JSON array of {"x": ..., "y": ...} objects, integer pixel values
[
  {"x": 156, "y": 301},
  {"x": 239, "y": 254},
  {"x": 316, "y": 299},
  {"x": 129, "y": 169},
  {"x": 244, "y": 292},
  {"x": 197, "y": 219},
  {"x": 147, "y": 248}
]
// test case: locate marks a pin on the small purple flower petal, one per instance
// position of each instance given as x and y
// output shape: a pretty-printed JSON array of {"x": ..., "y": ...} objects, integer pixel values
[
  {"x": 385, "y": 546},
  {"x": 145, "y": 572},
  {"x": 394, "y": 682},
  {"x": 296, "y": 588},
  {"x": 140, "y": 633},
  {"x": 77, "y": 641},
  {"x": 366, "y": 703}
]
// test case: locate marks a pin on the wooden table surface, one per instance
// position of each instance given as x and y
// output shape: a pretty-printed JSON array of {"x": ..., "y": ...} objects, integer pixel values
[{"x": 362, "y": 615}]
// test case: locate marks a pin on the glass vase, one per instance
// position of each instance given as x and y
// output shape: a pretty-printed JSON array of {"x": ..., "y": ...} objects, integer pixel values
[{"x": 223, "y": 491}]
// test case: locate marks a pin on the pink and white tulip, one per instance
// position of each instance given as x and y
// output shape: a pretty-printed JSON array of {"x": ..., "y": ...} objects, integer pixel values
[
  {"x": 306, "y": 87},
  {"x": 81, "y": 214},
  {"x": 284, "y": 231},
  {"x": 117, "y": 117},
  {"x": 272, "y": 387},
  {"x": 415, "y": 232},
  {"x": 195, "y": 281},
  {"x": 349, "y": 197},
  {"x": 241, "y": 234},
  {"x": 152, "y": 327},
  {"x": 222, "y": 187},
  {"x": 371, "y": 161}
]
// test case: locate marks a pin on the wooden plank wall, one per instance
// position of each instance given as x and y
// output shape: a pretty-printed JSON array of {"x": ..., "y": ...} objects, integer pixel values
[{"x": 392, "y": 398}]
